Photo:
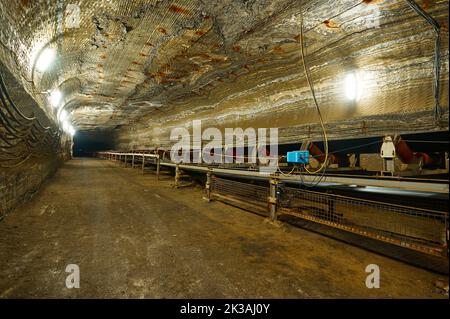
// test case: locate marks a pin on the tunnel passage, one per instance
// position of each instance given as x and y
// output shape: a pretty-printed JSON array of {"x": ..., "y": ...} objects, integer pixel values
[
  {"x": 351, "y": 97},
  {"x": 87, "y": 143},
  {"x": 135, "y": 237}
]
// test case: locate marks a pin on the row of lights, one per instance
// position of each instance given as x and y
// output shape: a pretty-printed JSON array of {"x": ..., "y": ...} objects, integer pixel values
[
  {"x": 353, "y": 88},
  {"x": 44, "y": 60}
]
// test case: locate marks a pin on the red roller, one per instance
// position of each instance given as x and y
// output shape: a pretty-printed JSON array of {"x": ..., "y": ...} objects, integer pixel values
[
  {"x": 317, "y": 153},
  {"x": 426, "y": 159},
  {"x": 404, "y": 152},
  {"x": 406, "y": 155}
]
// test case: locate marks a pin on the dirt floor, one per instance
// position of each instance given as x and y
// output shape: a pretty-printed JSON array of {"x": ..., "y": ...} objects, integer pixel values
[{"x": 134, "y": 237}]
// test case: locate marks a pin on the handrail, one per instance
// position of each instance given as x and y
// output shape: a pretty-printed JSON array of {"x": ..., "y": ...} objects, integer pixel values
[{"x": 405, "y": 185}]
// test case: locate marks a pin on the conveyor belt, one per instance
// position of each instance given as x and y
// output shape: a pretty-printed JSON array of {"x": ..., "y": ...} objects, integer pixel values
[{"x": 399, "y": 183}]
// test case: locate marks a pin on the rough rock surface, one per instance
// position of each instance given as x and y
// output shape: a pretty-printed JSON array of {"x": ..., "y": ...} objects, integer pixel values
[{"x": 145, "y": 67}]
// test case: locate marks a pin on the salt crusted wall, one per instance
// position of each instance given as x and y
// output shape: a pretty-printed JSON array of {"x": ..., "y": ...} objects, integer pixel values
[
  {"x": 144, "y": 67},
  {"x": 20, "y": 180},
  {"x": 395, "y": 59}
]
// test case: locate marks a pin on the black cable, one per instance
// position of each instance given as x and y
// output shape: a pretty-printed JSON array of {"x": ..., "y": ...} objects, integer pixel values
[{"x": 437, "y": 54}]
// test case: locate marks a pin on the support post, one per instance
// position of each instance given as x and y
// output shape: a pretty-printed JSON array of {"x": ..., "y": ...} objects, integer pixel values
[
  {"x": 273, "y": 196},
  {"x": 208, "y": 185},
  {"x": 446, "y": 161},
  {"x": 132, "y": 161},
  {"x": 177, "y": 176},
  {"x": 125, "y": 161},
  {"x": 158, "y": 166},
  {"x": 143, "y": 163}
]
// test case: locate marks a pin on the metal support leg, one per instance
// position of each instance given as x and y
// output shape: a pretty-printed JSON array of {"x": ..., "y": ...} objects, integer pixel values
[
  {"x": 177, "y": 176},
  {"x": 273, "y": 197},
  {"x": 157, "y": 168},
  {"x": 446, "y": 161},
  {"x": 125, "y": 162},
  {"x": 132, "y": 161},
  {"x": 208, "y": 186},
  {"x": 143, "y": 163}
]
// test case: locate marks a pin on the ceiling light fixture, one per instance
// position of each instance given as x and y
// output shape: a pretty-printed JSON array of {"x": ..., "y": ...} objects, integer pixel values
[
  {"x": 55, "y": 98},
  {"x": 72, "y": 131},
  {"x": 354, "y": 86},
  {"x": 66, "y": 126},
  {"x": 63, "y": 116},
  {"x": 45, "y": 59}
]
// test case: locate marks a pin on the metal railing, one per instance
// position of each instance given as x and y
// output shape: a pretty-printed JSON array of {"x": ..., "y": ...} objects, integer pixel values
[
  {"x": 410, "y": 227},
  {"x": 407, "y": 184},
  {"x": 133, "y": 159},
  {"x": 415, "y": 228},
  {"x": 245, "y": 193}
]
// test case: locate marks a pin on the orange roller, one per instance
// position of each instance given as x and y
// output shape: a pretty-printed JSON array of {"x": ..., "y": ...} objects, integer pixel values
[
  {"x": 317, "y": 153},
  {"x": 404, "y": 152},
  {"x": 426, "y": 159},
  {"x": 407, "y": 156}
]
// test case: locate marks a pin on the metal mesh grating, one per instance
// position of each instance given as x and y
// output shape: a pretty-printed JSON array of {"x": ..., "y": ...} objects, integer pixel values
[
  {"x": 418, "y": 229},
  {"x": 249, "y": 193},
  {"x": 414, "y": 228}
]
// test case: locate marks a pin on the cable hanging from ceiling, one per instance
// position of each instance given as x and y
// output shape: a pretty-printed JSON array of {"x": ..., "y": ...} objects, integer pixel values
[
  {"x": 437, "y": 55},
  {"x": 304, "y": 169}
]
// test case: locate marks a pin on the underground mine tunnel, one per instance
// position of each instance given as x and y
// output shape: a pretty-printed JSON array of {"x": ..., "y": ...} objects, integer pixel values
[{"x": 224, "y": 149}]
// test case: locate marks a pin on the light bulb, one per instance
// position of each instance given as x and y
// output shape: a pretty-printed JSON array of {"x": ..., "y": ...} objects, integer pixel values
[
  {"x": 63, "y": 116},
  {"x": 354, "y": 86},
  {"x": 45, "y": 59},
  {"x": 55, "y": 98}
]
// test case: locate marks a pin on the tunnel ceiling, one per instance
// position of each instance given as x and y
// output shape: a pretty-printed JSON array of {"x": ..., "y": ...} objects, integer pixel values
[{"x": 166, "y": 60}]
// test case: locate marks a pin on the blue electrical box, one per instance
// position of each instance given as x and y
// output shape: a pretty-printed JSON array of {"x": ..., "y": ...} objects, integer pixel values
[{"x": 298, "y": 157}]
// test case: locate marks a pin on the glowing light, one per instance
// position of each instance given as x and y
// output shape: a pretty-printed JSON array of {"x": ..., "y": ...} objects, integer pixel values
[
  {"x": 63, "y": 116},
  {"x": 45, "y": 59},
  {"x": 71, "y": 130},
  {"x": 354, "y": 86},
  {"x": 55, "y": 98},
  {"x": 66, "y": 126}
]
